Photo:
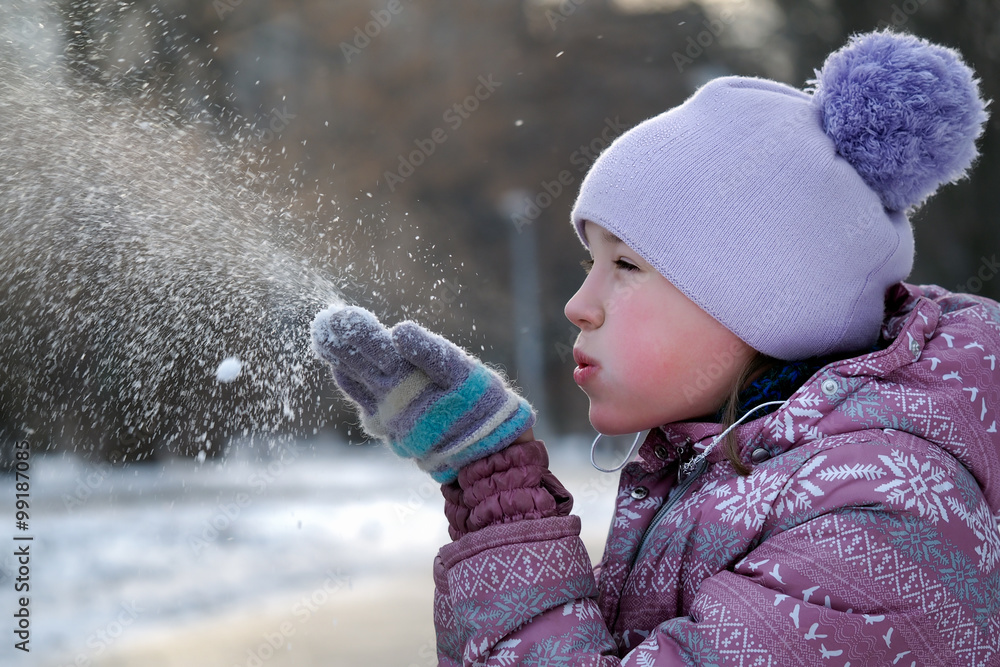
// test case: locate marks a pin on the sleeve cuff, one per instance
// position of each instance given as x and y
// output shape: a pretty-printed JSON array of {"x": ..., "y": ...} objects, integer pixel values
[{"x": 504, "y": 534}]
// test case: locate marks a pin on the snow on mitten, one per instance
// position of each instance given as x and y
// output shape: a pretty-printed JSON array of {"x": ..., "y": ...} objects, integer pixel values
[{"x": 424, "y": 396}]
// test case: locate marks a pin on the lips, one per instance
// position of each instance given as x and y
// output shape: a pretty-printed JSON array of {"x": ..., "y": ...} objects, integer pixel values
[{"x": 585, "y": 367}]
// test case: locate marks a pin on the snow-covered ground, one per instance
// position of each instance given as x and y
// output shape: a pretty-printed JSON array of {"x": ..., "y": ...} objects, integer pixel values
[{"x": 315, "y": 555}]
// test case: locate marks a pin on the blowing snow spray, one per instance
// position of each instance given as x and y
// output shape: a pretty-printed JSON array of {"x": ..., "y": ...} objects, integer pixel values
[{"x": 136, "y": 251}]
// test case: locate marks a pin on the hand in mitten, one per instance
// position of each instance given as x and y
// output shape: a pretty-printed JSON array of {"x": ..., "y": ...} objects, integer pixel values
[{"x": 423, "y": 395}]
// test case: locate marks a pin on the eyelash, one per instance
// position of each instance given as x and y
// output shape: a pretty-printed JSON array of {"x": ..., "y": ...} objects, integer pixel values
[{"x": 588, "y": 264}]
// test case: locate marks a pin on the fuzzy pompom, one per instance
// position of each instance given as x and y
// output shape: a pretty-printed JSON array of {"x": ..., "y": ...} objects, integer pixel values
[{"x": 904, "y": 112}]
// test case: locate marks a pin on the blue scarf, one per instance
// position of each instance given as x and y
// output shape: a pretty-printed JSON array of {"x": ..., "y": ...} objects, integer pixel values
[{"x": 783, "y": 379}]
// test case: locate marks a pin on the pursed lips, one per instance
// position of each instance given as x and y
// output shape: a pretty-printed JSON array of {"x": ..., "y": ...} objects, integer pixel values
[{"x": 586, "y": 367}]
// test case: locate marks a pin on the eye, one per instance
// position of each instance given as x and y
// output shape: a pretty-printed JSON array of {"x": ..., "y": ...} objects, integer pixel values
[
  {"x": 625, "y": 265},
  {"x": 587, "y": 264}
]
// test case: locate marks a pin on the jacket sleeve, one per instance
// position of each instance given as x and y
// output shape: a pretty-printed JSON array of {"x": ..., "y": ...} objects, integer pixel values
[
  {"x": 514, "y": 593},
  {"x": 495, "y": 505}
]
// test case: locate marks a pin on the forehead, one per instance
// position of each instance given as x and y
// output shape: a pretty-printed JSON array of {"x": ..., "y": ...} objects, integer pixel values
[
  {"x": 609, "y": 237},
  {"x": 590, "y": 227}
]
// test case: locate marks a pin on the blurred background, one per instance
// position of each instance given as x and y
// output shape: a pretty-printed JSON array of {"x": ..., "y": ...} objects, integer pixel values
[{"x": 184, "y": 182}]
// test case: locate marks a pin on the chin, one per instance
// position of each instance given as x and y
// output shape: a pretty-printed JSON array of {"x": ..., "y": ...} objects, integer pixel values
[{"x": 617, "y": 425}]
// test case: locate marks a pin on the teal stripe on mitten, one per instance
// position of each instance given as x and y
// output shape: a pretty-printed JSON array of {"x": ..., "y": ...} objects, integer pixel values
[{"x": 432, "y": 426}]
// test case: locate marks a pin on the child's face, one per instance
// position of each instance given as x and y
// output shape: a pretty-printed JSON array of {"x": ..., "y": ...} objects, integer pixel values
[{"x": 646, "y": 354}]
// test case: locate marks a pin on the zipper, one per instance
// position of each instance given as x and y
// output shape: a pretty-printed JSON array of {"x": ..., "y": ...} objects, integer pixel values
[
  {"x": 679, "y": 492},
  {"x": 699, "y": 463}
]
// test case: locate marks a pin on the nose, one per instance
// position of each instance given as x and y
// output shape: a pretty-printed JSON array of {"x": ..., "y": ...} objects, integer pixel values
[{"x": 584, "y": 310}]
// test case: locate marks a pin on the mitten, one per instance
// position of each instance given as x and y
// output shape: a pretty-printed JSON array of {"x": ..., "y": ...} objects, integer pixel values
[
  {"x": 511, "y": 485},
  {"x": 421, "y": 394}
]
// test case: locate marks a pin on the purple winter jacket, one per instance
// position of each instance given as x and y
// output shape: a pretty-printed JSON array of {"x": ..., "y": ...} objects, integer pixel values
[{"x": 867, "y": 533}]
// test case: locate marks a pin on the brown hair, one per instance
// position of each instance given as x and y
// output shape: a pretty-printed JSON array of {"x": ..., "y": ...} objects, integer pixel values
[{"x": 729, "y": 446}]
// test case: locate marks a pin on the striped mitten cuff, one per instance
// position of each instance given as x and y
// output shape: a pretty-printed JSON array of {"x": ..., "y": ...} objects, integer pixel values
[{"x": 423, "y": 395}]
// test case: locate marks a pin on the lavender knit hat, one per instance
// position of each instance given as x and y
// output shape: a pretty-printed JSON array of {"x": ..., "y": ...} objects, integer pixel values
[{"x": 781, "y": 212}]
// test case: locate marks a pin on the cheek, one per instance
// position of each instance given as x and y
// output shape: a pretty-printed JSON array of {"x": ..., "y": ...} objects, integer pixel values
[
  {"x": 672, "y": 345},
  {"x": 650, "y": 348}
]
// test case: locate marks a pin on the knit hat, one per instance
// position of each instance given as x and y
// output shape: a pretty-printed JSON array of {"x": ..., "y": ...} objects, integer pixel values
[{"x": 781, "y": 212}]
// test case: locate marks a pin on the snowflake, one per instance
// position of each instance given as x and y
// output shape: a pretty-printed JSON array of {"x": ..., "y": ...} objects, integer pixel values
[
  {"x": 986, "y": 529},
  {"x": 863, "y": 404},
  {"x": 545, "y": 652},
  {"x": 591, "y": 636},
  {"x": 520, "y": 604},
  {"x": 753, "y": 498},
  {"x": 917, "y": 540},
  {"x": 798, "y": 498},
  {"x": 716, "y": 543},
  {"x": 962, "y": 577},
  {"x": 624, "y": 543},
  {"x": 917, "y": 484},
  {"x": 681, "y": 512}
]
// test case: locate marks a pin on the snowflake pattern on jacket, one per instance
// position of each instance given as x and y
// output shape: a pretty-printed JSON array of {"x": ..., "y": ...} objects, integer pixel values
[{"x": 868, "y": 532}]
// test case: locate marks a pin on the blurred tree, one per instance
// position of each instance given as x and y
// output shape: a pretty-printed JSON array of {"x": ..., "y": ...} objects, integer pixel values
[{"x": 346, "y": 99}]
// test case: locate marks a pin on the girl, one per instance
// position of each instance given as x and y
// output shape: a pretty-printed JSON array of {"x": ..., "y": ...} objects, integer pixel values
[{"x": 748, "y": 251}]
